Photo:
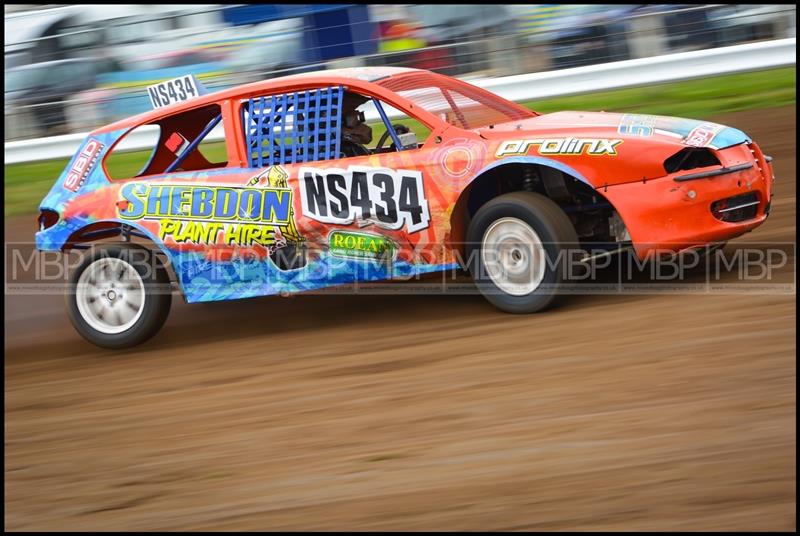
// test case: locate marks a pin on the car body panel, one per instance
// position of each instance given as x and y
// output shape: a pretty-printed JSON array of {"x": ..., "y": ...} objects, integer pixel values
[{"x": 645, "y": 141}]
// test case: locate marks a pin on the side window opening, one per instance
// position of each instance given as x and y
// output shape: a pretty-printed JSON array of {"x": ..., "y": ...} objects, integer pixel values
[
  {"x": 411, "y": 133},
  {"x": 324, "y": 124},
  {"x": 127, "y": 159},
  {"x": 295, "y": 127},
  {"x": 179, "y": 143}
]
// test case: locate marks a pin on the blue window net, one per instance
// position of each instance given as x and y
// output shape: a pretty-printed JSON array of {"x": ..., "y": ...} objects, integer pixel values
[{"x": 293, "y": 127}]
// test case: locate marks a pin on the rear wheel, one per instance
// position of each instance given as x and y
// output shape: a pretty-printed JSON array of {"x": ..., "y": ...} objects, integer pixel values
[
  {"x": 119, "y": 296},
  {"x": 518, "y": 249}
]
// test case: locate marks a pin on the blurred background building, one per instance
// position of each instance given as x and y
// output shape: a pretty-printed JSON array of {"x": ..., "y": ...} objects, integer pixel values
[{"x": 70, "y": 68}]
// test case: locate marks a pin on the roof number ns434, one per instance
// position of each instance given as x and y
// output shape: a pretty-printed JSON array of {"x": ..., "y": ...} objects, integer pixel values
[{"x": 171, "y": 91}]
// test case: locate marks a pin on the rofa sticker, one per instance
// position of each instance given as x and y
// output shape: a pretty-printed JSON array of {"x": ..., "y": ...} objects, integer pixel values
[{"x": 83, "y": 165}]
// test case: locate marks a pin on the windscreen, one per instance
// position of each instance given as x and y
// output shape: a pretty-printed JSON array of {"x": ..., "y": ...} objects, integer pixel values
[{"x": 456, "y": 102}]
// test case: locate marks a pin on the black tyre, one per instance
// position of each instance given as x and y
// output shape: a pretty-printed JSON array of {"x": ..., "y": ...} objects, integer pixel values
[
  {"x": 519, "y": 246},
  {"x": 119, "y": 296}
]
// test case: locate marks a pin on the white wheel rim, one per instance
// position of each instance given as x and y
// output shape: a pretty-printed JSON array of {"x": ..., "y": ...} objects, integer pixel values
[
  {"x": 110, "y": 295},
  {"x": 513, "y": 256}
]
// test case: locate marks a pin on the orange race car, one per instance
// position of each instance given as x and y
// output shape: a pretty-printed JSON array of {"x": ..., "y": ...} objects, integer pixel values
[{"x": 368, "y": 174}]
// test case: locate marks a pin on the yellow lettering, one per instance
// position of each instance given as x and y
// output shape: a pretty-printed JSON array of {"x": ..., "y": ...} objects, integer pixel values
[
  {"x": 166, "y": 227},
  {"x": 233, "y": 234},
  {"x": 210, "y": 232}
]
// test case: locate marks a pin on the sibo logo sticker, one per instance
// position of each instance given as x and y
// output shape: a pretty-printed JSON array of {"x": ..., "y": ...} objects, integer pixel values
[
  {"x": 84, "y": 163},
  {"x": 702, "y": 135},
  {"x": 391, "y": 198}
]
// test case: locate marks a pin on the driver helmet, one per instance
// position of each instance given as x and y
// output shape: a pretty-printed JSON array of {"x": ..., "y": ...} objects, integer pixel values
[{"x": 354, "y": 126}]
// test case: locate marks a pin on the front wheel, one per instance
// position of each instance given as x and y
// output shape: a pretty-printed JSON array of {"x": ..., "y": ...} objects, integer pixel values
[
  {"x": 119, "y": 296},
  {"x": 519, "y": 248}
]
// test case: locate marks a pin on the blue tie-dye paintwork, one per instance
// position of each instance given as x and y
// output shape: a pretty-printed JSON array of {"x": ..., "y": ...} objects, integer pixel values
[{"x": 204, "y": 281}]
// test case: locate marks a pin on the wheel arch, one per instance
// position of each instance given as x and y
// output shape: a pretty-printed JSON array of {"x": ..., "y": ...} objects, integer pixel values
[
  {"x": 486, "y": 183},
  {"x": 130, "y": 233}
]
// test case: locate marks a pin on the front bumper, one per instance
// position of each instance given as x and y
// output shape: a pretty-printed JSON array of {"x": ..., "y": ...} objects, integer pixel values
[{"x": 674, "y": 212}]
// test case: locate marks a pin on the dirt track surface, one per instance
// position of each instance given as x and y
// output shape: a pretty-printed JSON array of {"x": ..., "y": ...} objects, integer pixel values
[{"x": 660, "y": 412}]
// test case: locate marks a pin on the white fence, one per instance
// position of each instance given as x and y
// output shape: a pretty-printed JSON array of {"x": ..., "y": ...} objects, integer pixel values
[{"x": 526, "y": 87}]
